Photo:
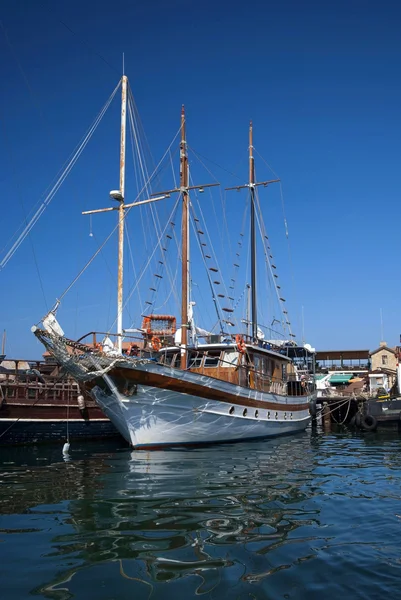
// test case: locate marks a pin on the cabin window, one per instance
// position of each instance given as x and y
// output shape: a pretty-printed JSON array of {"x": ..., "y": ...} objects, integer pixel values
[
  {"x": 230, "y": 359},
  {"x": 212, "y": 359},
  {"x": 31, "y": 393},
  {"x": 257, "y": 363},
  {"x": 384, "y": 359},
  {"x": 263, "y": 365},
  {"x": 284, "y": 371},
  {"x": 168, "y": 359},
  {"x": 10, "y": 392},
  {"x": 194, "y": 360}
]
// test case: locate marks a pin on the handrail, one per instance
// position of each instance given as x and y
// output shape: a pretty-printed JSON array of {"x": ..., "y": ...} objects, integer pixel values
[
  {"x": 94, "y": 333},
  {"x": 261, "y": 380}
]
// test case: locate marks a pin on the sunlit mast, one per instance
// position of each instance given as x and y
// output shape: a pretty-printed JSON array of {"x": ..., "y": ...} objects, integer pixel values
[
  {"x": 254, "y": 328},
  {"x": 185, "y": 241},
  {"x": 121, "y": 214},
  {"x": 119, "y": 196},
  {"x": 252, "y": 185},
  {"x": 184, "y": 190}
]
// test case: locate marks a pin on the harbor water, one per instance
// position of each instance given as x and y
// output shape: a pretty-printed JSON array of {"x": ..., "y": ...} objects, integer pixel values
[{"x": 308, "y": 516}]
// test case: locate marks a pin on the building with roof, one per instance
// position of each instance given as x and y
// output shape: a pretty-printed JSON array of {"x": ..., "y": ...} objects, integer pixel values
[
  {"x": 351, "y": 371},
  {"x": 384, "y": 367},
  {"x": 384, "y": 357}
]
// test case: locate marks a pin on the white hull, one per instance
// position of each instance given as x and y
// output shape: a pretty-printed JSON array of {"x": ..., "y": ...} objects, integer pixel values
[{"x": 154, "y": 416}]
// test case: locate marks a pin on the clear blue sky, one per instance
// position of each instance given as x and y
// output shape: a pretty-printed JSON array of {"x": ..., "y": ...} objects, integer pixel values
[{"x": 321, "y": 81}]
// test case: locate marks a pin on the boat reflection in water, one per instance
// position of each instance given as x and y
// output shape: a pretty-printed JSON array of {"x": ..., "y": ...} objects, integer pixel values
[{"x": 205, "y": 518}]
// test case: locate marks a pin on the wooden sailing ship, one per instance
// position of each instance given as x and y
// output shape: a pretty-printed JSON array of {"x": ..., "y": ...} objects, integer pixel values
[{"x": 175, "y": 390}]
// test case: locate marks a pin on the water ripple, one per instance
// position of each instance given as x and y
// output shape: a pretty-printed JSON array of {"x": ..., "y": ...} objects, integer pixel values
[{"x": 309, "y": 515}]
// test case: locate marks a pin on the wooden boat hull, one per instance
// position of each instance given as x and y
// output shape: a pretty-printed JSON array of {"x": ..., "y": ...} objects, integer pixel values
[
  {"x": 184, "y": 408},
  {"x": 26, "y": 431},
  {"x": 38, "y": 402},
  {"x": 27, "y": 424}
]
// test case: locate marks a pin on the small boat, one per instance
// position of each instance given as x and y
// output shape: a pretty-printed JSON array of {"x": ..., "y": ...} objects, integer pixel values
[
  {"x": 174, "y": 390},
  {"x": 38, "y": 403}
]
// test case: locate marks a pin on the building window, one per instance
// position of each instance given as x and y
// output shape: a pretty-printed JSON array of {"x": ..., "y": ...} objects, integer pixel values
[{"x": 384, "y": 359}]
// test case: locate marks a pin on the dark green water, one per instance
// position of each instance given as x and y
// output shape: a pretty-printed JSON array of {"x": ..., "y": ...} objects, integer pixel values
[{"x": 309, "y": 516}]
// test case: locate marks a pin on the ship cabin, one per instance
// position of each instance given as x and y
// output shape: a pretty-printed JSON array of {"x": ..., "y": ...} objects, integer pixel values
[{"x": 257, "y": 368}]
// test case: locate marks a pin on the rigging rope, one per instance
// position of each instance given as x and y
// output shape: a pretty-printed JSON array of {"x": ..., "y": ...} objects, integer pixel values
[
  {"x": 17, "y": 186},
  {"x": 262, "y": 230},
  {"x": 173, "y": 289},
  {"x": 223, "y": 211},
  {"x": 236, "y": 265},
  {"x": 142, "y": 165},
  {"x": 215, "y": 301},
  {"x": 75, "y": 156},
  {"x": 148, "y": 261},
  {"x": 132, "y": 263},
  {"x": 295, "y": 294},
  {"x": 160, "y": 270},
  {"x": 209, "y": 238},
  {"x": 115, "y": 228}
]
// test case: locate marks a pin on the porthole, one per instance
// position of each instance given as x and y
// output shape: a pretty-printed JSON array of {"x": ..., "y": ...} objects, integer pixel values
[
  {"x": 231, "y": 411},
  {"x": 268, "y": 415},
  {"x": 285, "y": 415},
  {"x": 276, "y": 415},
  {"x": 256, "y": 414},
  {"x": 291, "y": 416},
  {"x": 245, "y": 412}
]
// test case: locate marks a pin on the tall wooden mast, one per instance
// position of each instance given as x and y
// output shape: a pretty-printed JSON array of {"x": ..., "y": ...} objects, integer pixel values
[
  {"x": 121, "y": 214},
  {"x": 119, "y": 196},
  {"x": 185, "y": 241},
  {"x": 184, "y": 190},
  {"x": 252, "y": 185},
  {"x": 254, "y": 316}
]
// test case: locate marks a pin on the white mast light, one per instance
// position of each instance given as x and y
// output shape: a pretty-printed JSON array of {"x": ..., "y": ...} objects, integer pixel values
[{"x": 116, "y": 195}]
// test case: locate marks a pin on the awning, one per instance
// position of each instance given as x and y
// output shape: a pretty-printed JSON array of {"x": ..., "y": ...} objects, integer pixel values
[{"x": 340, "y": 378}]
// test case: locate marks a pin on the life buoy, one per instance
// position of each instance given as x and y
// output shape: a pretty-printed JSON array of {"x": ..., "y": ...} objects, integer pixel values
[
  {"x": 156, "y": 343},
  {"x": 98, "y": 347},
  {"x": 239, "y": 340},
  {"x": 369, "y": 423}
]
